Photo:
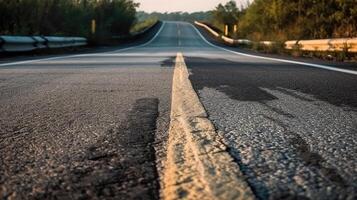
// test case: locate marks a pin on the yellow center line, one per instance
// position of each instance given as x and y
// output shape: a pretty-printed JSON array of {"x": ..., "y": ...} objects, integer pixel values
[
  {"x": 197, "y": 160},
  {"x": 179, "y": 35}
]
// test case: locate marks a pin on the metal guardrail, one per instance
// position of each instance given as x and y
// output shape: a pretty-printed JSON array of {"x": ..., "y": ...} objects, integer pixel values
[
  {"x": 17, "y": 43},
  {"x": 30, "y": 43},
  {"x": 224, "y": 38},
  {"x": 340, "y": 44},
  {"x": 234, "y": 42},
  {"x": 207, "y": 28}
]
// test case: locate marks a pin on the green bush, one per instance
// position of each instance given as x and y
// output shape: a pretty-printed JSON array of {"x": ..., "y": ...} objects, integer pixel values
[
  {"x": 66, "y": 17},
  {"x": 142, "y": 25},
  {"x": 279, "y": 20}
]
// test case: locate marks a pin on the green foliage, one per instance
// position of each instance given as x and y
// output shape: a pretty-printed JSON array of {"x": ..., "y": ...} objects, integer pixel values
[
  {"x": 298, "y": 19},
  {"x": 176, "y": 16},
  {"x": 142, "y": 25},
  {"x": 66, "y": 17},
  {"x": 227, "y": 14}
]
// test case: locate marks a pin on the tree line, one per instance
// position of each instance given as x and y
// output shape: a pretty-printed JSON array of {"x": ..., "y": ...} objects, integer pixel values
[
  {"x": 289, "y": 19},
  {"x": 278, "y": 20},
  {"x": 66, "y": 17},
  {"x": 176, "y": 16},
  {"x": 260, "y": 20}
]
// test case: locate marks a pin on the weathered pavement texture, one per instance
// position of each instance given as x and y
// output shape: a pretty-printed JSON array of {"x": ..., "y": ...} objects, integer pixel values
[
  {"x": 96, "y": 126},
  {"x": 198, "y": 165},
  {"x": 87, "y": 126},
  {"x": 291, "y": 128}
]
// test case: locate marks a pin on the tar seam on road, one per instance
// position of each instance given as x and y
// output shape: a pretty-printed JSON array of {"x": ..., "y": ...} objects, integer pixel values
[
  {"x": 136, "y": 135},
  {"x": 277, "y": 59},
  {"x": 86, "y": 55},
  {"x": 198, "y": 165}
]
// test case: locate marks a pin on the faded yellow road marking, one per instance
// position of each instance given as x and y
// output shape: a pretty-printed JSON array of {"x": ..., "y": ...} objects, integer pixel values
[
  {"x": 198, "y": 165},
  {"x": 179, "y": 35}
]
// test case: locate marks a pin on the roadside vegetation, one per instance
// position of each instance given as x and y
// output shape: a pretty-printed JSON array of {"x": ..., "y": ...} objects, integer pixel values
[
  {"x": 276, "y": 20},
  {"x": 143, "y": 24},
  {"x": 176, "y": 16},
  {"x": 281, "y": 20},
  {"x": 66, "y": 17}
]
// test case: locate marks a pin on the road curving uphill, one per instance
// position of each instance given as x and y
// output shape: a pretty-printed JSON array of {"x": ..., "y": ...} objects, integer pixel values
[
  {"x": 133, "y": 123},
  {"x": 198, "y": 165}
]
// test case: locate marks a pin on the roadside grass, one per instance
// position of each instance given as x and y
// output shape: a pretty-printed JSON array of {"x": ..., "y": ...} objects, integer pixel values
[
  {"x": 136, "y": 31},
  {"x": 142, "y": 25},
  {"x": 343, "y": 56},
  {"x": 277, "y": 46}
]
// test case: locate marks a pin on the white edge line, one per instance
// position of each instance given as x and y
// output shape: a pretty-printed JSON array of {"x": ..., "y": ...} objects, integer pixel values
[
  {"x": 83, "y": 55},
  {"x": 277, "y": 59}
]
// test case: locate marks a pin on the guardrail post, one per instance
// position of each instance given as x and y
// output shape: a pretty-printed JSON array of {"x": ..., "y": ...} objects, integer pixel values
[
  {"x": 235, "y": 29},
  {"x": 94, "y": 26},
  {"x": 226, "y": 30}
]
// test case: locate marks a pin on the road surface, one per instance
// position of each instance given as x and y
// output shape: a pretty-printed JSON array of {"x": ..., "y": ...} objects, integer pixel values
[{"x": 96, "y": 125}]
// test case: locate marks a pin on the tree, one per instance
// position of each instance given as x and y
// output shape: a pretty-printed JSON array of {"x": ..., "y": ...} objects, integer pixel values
[
  {"x": 66, "y": 17},
  {"x": 298, "y": 19},
  {"x": 227, "y": 14}
]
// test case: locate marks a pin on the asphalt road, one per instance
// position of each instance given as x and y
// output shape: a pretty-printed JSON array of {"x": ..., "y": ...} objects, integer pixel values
[
  {"x": 95, "y": 125},
  {"x": 291, "y": 128},
  {"x": 86, "y": 126}
]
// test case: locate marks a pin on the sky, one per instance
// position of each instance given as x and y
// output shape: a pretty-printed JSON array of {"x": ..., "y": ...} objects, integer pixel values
[{"x": 180, "y": 5}]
